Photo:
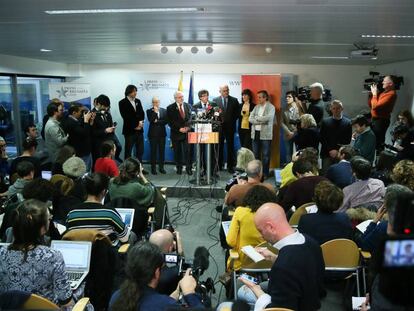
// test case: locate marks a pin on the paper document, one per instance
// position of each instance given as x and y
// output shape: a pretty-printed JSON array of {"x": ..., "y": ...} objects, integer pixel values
[
  {"x": 60, "y": 228},
  {"x": 357, "y": 302},
  {"x": 363, "y": 225},
  {"x": 312, "y": 209},
  {"x": 252, "y": 253},
  {"x": 226, "y": 226}
]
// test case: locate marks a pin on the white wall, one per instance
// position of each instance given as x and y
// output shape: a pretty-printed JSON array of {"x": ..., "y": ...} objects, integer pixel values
[
  {"x": 22, "y": 65},
  {"x": 344, "y": 81}
]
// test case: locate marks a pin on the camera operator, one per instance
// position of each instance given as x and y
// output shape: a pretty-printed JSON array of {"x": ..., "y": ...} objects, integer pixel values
[
  {"x": 316, "y": 106},
  {"x": 170, "y": 277},
  {"x": 381, "y": 105},
  {"x": 143, "y": 270},
  {"x": 392, "y": 284}
]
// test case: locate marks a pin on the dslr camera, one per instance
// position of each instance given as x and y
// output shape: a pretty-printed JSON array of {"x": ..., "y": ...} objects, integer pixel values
[
  {"x": 304, "y": 94},
  {"x": 239, "y": 174}
]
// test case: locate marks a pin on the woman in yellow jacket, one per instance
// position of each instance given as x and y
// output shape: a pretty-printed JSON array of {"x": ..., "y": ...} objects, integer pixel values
[{"x": 242, "y": 230}]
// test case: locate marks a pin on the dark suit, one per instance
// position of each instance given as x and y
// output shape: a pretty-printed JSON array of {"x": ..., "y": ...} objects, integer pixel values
[
  {"x": 324, "y": 227},
  {"x": 228, "y": 128},
  {"x": 79, "y": 135},
  {"x": 203, "y": 147},
  {"x": 101, "y": 122},
  {"x": 156, "y": 135},
  {"x": 182, "y": 154},
  {"x": 131, "y": 118}
]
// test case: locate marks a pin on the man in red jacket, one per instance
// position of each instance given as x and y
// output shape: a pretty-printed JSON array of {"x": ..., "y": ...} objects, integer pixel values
[{"x": 381, "y": 108}]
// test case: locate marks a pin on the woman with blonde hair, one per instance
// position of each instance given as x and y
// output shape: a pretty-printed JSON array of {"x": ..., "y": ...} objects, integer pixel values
[{"x": 307, "y": 134}]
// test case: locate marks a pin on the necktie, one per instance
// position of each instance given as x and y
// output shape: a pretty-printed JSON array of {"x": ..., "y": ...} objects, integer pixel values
[
  {"x": 225, "y": 103},
  {"x": 182, "y": 114}
]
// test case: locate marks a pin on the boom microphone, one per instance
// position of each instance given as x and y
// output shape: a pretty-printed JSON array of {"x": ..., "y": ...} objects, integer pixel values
[{"x": 201, "y": 262}]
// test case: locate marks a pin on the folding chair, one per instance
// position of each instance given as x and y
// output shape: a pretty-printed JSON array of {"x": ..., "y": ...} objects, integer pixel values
[
  {"x": 342, "y": 255},
  {"x": 294, "y": 219},
  {"x": 36, "y": 302}
]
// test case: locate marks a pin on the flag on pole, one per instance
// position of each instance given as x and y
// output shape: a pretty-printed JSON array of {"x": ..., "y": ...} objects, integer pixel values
[
  {"x": 191, "y": 90},
  {"x": 180, "y": 82}
]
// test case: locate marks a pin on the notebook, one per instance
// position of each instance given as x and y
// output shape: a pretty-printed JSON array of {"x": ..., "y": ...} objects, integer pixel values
[
  {"x": 77, "y": 257},
  {"x": 127, "y": 215}
]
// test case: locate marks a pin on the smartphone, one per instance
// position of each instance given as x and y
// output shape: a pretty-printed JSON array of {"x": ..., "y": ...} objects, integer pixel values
[{"x": 249, "y": 278}]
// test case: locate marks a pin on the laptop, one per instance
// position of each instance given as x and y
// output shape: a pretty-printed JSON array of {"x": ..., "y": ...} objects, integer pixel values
[
  {"x": 127, "y": 215},
  {"x": 278, "y": 177},
  {"x": 77, "y": 257},
  {"x": 46, "y": 175}
]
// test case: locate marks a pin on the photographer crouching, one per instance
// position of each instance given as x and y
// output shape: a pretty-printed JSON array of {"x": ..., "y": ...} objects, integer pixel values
[{"x": 143, "y": 271}]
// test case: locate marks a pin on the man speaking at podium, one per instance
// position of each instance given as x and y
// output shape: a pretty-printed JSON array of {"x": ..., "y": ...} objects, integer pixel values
[{"x": 206, "y": 110}]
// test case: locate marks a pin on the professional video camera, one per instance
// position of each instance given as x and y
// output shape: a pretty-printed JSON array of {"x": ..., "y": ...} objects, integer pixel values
[
  {"x": 304, "y": 94},
  {"x": 376, "y": 78},
  {"x": 239, "y": 174},
  {"x": 197, "y": 265},
  {"x": 396, "y": 271}
]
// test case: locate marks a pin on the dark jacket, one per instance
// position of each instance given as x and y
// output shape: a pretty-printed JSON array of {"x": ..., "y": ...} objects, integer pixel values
[
  {"x": 307, "y": 137},
  {"x": 296, "y": 277},
  {"x": 176, "y": 122},
  {"x": 101, "y": 122},
  {"x": 131, "y": 116},
  {"x": 340, "y": 174},
  {"x": 334, "y": 133},
  {"x": 324, "y": 227},
  {"x": 230, "y": 115},
  {"x": 79, "y": 135},
  {"x": 317, "y": 109},
  {"x": 157, "y": 129}
]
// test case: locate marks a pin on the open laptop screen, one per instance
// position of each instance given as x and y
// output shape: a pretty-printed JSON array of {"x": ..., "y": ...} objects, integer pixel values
[
  {"x": 127, "y": 215},
  {"x": 75, "y": 254}
]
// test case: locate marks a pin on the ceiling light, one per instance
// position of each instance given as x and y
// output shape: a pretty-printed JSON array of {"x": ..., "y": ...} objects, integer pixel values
[
  {"x": 45, "y": 50},
  {"x": 268, "y": 50},
  {"x": 179, "y": 50},
  {"x": 209, "y": 50},
  {"x": 194, "y": 50},
  {"x": 140, "y": 10},
  {"x": 164, "y": 50},
  {"x": 388, "y": 36},
  {"x": 329, "y": 57}
]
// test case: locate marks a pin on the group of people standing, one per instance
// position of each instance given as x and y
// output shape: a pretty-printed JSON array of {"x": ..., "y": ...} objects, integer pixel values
[{"x": 86, "y": 130}]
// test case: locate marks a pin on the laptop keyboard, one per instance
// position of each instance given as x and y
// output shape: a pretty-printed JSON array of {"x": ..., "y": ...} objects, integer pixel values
[{"x": 74, "y": 276}]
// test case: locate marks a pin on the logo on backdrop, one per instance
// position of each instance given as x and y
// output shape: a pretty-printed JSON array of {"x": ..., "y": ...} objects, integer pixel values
[
  {"x": 71, "y": 92},
  {"x": 148, "y": 85}
]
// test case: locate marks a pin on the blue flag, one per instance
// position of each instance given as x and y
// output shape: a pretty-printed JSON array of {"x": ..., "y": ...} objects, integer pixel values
[{"x": 191, "y": 91}]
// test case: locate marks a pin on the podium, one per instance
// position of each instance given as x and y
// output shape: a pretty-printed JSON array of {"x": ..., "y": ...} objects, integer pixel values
[{"x": 203, "y": 135}]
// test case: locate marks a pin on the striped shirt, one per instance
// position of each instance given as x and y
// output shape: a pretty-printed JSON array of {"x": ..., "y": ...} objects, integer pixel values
[{"x": 89, "y": 215}]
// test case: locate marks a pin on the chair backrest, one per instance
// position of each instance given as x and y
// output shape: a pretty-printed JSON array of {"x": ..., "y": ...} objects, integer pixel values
[
  {"x": 277, "y": 309},
  {"x": 91, "y": 235},
  {"x": 81, "y": 304},
  {"x": 294, "y": 219},
  {"x": 36, "y": 302},
  {"x": 340, "y": 253}
]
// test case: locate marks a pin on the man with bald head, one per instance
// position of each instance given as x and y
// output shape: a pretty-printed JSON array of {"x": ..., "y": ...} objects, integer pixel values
[
  {"x": 230, "y": 112},
  {"x": 169, "y": 278},
  {"x": 296, "y": 277}
]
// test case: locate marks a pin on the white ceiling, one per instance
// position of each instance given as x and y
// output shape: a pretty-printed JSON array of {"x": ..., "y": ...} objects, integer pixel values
[{"x": 240, "y": 30}]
